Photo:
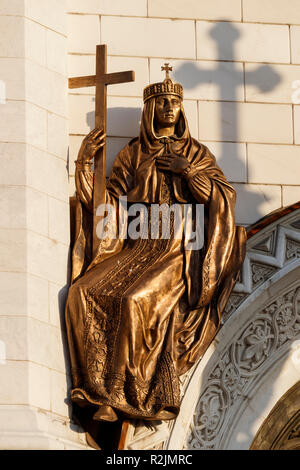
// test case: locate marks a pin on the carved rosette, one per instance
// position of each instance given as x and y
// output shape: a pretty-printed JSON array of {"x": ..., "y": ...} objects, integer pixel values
[
  {"x": 209, "y": 417},
  {"x": 254, "y": 345}
]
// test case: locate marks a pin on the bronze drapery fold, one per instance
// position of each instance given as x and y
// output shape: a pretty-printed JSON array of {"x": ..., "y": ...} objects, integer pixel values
[{"x": 142, "y": 312}]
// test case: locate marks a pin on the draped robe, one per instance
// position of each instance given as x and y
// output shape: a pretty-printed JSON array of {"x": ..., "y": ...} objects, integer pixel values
[{"x": 142, "y": 312}]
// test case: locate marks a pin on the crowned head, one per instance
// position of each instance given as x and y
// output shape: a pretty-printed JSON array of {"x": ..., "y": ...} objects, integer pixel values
[
  {"x": 163, "y": 113},
  {"x": 167, "y": 87}
]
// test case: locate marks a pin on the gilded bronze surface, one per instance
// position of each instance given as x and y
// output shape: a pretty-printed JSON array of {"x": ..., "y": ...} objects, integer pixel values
[{"x": 141, "y": 312}]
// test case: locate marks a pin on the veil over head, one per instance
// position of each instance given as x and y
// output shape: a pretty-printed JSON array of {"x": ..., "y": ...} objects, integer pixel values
[{"x": 152, "y": 142}]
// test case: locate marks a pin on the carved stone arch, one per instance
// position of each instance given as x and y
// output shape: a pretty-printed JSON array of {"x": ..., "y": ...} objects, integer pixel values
[{"x": 254, "y": 358}]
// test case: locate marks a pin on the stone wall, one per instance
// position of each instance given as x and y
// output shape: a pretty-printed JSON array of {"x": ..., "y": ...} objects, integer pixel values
[
  {"x": 34, "y": 226},
  {"x": 239, "y": 63}
]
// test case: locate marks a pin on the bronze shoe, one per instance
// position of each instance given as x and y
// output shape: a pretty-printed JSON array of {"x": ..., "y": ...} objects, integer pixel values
[
  {"x": 164, "y": 415},
  {"x": 78, "y": 398},
  {"x": 105, "y": 413}
]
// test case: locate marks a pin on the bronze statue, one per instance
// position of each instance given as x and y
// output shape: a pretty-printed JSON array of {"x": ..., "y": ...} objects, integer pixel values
[{"x": 142, "y": 311}]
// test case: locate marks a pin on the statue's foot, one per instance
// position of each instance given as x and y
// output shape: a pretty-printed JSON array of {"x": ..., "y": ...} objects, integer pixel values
[
  {"x": 105, "y": 413},
  {"x": 80, "y": 400},
  {"x": 164, "y": 415}
]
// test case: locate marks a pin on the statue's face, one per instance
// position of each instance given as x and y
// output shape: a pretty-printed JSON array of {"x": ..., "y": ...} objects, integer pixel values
[{"x": 167, "y": 110}]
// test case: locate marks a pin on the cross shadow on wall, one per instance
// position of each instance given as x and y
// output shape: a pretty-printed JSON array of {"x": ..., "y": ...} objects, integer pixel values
[{"x": 229, "y": 79}]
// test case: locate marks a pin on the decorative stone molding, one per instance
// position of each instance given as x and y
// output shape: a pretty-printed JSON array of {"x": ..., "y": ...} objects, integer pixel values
[
  {"x": 249, "y": 356},
  {"x": 260, "y": 324},
  {"x": 267, "y": 252}
]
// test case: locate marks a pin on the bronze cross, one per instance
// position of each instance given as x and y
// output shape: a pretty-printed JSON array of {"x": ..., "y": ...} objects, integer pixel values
[
  {"x": 167, "y": 69},
  {"x": 100, "y": 80}
]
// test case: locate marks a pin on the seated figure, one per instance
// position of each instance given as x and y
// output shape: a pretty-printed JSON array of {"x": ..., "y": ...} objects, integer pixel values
[{"x": 142, "y": 311}]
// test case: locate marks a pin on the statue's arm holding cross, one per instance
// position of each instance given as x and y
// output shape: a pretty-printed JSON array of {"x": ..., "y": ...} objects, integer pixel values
[{"x": 97, "y": 137}]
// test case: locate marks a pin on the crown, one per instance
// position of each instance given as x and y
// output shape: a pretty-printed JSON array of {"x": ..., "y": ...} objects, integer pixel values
[{"x": 167, "y": 87}]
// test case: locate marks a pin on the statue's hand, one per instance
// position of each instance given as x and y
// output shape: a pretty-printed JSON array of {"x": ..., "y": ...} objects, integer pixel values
[
  {"x": 91, "y": 144},
  {"x": 172, "y": 162}
]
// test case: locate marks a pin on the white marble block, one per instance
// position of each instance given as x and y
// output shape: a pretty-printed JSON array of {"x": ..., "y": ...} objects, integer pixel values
[{"x": 34, "y": 228}]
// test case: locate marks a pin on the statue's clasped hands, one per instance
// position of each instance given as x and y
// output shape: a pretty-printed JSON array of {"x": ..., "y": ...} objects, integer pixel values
[
  {"x": 91, "y": 144},
  {"x": 174, "y": 163}
]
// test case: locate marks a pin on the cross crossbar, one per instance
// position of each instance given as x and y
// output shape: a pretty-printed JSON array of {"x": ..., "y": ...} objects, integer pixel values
[{"x": 107, "y": 79}]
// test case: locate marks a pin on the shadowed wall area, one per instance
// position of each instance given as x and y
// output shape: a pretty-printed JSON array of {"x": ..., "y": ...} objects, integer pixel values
[{"x": 238, "y": 90}]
